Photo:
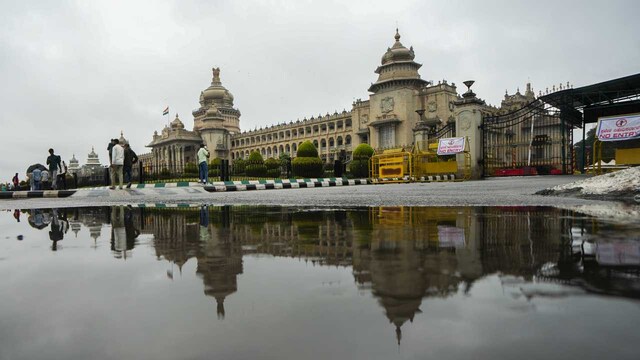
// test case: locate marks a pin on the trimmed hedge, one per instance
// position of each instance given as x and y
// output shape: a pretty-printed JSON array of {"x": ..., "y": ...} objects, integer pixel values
[
  {"x": 273, "y": 167},
  {"x": 359, "y": 166},
  {"x": 255, "y": 165},
  {"x": 256, "y": 170},
  {"x": 307, "y": 167},
  {"x": 363, "y": 151},
  {"x": 306, "y": 149}
]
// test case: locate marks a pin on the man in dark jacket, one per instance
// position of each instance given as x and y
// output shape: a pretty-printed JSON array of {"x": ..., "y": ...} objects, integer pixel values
[
  {"x": 130, "y": 158},
  {"x": 54, "y": 168}
]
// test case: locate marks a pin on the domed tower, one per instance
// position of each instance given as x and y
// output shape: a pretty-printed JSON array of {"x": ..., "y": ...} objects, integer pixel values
[
  {"x": 216, "y": 119},
  {"x": 74, "y": 165},
  {"x": 395, "y": 98},
  {"x": 92, "y": 158},
  {"x": 177, "y": 124}
]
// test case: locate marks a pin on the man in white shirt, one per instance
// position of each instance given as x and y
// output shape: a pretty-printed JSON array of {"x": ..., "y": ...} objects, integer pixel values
[
  {"x": 203, "y": 158},
  {"x": 117, "y": 162}
]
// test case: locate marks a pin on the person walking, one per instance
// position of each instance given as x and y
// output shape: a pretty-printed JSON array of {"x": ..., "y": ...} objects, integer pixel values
[
  {"x": 117, "y": 162},
  {"x": 16, "y": 182},
  {"x": 54, "y": 168},
  {"x": 110, "y": 150},
  {"x": 130, "y": 158},
  {"x": 203, "y": 158},
  {"x": 62, "y": 177}
]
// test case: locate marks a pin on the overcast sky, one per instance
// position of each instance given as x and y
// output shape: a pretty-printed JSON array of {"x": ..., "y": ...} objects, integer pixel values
[{"x": 76, "y": 73}]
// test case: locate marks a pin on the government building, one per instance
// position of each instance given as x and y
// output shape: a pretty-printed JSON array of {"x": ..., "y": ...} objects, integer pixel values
[{"x": 402, "y": 109}]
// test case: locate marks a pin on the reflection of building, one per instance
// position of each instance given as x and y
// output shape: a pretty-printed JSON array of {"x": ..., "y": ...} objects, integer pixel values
[
  {"x": 177, "y": 238},
  {"x": 403, "y": 255}
]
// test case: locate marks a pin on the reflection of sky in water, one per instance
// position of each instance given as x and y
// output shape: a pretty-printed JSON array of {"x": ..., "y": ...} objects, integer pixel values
[{"x": 272, "y": 283}]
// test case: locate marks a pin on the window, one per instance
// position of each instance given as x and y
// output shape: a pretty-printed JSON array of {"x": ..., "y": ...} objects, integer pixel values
[{"x": 387, "y": 136}]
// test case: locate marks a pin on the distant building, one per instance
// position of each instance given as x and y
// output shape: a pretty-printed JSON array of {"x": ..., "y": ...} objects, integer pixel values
[{"x": 92, "y": 171}]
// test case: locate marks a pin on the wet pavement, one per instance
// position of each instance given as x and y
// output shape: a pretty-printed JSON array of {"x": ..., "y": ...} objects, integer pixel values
[
  {"x": 272, "y": 282},
  {"x": 489, "y": 192}
]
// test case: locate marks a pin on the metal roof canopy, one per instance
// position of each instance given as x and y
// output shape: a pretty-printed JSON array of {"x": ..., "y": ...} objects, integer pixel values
[{"x": 605, "y": 93}]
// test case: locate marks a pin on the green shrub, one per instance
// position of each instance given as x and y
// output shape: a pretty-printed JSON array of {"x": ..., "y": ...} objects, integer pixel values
[
  {"x": 363, "y": 151},
  {"x": 215, "y": 163},
  {"x": 238, "y": 166},
  {"x": 359, "y": 168},
  {"x": 306, "y": 149},
  {"x": 164, "y": 174},
  {"x": 307, "y": 167},
  {"x": 190, "y": 169},
  {"x": 273, "y": 167},
  {"x": 255, "y": 165},
  {"x": 255, "y": 158},
  {"x": 256, "y": 170}
]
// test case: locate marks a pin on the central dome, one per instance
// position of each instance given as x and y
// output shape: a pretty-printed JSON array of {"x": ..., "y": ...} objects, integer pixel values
[
  {"x": 397, "y": 52},
  {"x": 216, "y": 93}
]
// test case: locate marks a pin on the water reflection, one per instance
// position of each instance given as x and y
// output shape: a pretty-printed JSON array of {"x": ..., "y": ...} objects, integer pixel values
[{"x": 402, "y": 255}]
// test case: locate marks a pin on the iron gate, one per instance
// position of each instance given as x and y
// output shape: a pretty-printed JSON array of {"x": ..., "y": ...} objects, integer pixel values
[{"x": 532, "y": 140}]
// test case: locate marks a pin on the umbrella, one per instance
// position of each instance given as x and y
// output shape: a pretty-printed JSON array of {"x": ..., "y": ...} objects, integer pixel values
[
  {"x": 37, "y": 221},
  {"x": 34, "y": 166}
]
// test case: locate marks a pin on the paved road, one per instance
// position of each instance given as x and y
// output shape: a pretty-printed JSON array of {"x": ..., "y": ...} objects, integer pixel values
[{"x": 491, "y": 192}]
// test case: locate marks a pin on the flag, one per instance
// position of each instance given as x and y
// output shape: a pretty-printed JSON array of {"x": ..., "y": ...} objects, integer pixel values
[{"x": 165, "y": 111}]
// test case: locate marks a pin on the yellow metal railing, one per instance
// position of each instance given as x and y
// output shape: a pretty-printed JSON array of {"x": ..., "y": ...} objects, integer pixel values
[{"x": 423, "y": 161}]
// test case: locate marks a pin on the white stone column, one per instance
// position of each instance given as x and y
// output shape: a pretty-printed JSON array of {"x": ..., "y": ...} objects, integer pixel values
[{"x": 468, "y": 120}]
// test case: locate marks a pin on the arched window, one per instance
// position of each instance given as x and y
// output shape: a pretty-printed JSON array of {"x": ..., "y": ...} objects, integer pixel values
[
  {"x": 331, "y": 142},
  {"x": 339, "y": 140},
  {"x": 347, "y": 140}
]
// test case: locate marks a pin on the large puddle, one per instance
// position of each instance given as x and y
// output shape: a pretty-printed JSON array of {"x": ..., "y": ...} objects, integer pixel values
[{"x": 244, "y": 282}]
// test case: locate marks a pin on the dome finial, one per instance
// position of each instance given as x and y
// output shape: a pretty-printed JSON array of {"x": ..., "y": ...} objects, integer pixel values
[
  {"x": 397, "y": 37},
  {"x": 216, "y": 75}
]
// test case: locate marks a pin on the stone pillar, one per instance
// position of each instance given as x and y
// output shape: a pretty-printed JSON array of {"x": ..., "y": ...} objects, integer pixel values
[{"x": 468, "y": 116}]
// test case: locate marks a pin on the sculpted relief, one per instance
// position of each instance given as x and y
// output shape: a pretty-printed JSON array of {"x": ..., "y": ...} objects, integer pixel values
[{"x": 386, "y": 105}]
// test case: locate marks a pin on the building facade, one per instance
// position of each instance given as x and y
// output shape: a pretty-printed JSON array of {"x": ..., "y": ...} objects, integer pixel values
[{"x": 401, "y": 110}]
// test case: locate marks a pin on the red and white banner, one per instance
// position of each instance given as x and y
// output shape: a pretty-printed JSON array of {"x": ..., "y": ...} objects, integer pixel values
[
  {"x": 616, "y": 128},
  {"x": 450, "y": 146}
]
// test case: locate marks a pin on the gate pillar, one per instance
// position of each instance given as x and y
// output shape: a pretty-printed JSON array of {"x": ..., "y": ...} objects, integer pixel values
[{"x": 468, "y": 116}]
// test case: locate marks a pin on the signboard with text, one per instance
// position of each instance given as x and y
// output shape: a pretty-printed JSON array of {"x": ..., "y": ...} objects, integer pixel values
[
  {"x": 450, "y": 146},
  {"x": 617, "y": 128}
]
